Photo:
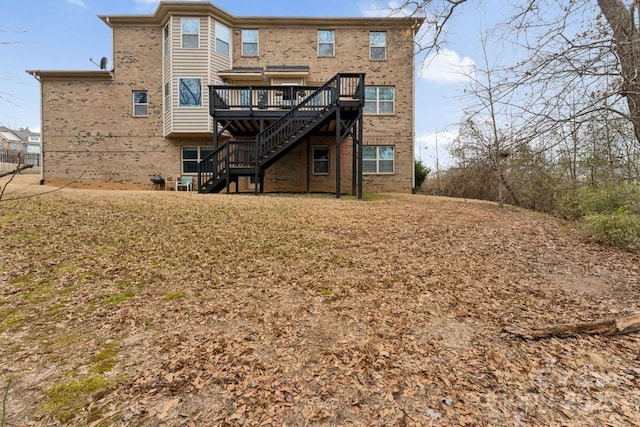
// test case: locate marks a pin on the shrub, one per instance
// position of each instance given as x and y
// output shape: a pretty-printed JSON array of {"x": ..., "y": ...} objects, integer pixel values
[
  {"x": 421, "y": 172},
  {"x": 605, "y": 200},
  {"x": 620, "y": 229}
]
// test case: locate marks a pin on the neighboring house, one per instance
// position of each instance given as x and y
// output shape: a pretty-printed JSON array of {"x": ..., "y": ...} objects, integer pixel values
[
  {"x": 9, "y": 140},
  {"x": 297, "y": 104},
  {"x": 31, "y": 140},
  {"x": 19, "y": 147}
]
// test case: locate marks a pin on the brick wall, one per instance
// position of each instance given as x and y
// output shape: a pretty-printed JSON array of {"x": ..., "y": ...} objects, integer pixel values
[
  {"x": 298, "y": 46},
  {"x": 88, "y": 126},
  {"x": 89, "y": 130}
]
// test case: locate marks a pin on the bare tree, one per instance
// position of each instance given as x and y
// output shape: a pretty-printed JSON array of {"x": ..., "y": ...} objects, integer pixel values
[
  {"x": 437, "y": 15},
  {"x": 569, "y": 49},
  {"x": 483, "y": 134},
  {"x": 626, "y": 43}
]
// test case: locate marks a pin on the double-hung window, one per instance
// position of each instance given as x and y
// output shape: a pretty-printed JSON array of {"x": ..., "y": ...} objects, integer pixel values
[
  {"x": 378, "y": 45},
  {"x": 378, "y": 159},
  {"x": 190, "y": 32},
  {"x": 326, "y": 43},
  {"x": 379, "y": 100},
  {"x": 191, "y": 156},
  {"x": 320, "y": 160},
  {"x": 250, "y": 42},
  {"x": 222, "y": 39},
  {"x": 140, "y": 104},
  {"x": 190, "y": 92}
]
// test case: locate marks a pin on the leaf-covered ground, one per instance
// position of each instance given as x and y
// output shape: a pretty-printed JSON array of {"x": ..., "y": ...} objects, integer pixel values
[{"x": 169, "y": 309}]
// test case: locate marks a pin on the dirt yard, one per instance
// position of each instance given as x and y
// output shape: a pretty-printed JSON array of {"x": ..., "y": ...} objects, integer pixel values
[{"x": 150, "y": 308}]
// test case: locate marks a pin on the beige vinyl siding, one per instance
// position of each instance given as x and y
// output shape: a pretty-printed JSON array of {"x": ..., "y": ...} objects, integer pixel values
[
  {"x": 203, "y": 63},
  {"x": 218, "y": 62},
  {"x": 190, "y": 63},
  {"x": 167, "y": 75}
]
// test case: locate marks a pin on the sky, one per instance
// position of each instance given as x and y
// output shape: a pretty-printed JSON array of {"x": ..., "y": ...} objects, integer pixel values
[{"x": 68, "y": 35}]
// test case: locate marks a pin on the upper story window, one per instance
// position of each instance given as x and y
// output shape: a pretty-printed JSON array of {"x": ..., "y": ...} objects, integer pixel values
[
  {"x": 249, "y": 42},
  {"x": 379, "y": 100},
  {"x": 140, "y": 104},
  {"x": 190, "y": 32},
  {"x": 222, "y": 39},
  {"x": 190, "y": 92},
  {"x": 378, "y": 45},
  {"x": 167, "y": 38},
  {"x": 326, "y": 43}
]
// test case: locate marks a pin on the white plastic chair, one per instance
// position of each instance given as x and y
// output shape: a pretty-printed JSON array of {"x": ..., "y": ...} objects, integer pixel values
[{"x": 185, "y": 182}]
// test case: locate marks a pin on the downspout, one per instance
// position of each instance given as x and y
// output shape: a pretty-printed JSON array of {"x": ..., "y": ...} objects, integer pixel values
[
  {"x": 413, "y": 111},
  {"x": 35, "y": 75},
  {"x": 41, "y": 135}
]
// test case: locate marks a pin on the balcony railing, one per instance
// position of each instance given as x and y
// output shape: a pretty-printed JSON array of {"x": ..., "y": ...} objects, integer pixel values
[{"x": 262, "y": 97}]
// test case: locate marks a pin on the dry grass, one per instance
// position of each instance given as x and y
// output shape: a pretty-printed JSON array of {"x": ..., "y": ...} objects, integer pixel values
[{"x": 162, "y": 308}]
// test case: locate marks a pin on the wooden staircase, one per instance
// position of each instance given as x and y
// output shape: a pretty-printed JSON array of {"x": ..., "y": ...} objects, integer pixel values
[{"x": 236, "y": 158}]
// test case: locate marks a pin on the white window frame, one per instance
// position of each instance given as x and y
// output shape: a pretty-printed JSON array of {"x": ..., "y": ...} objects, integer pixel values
[
  {"x": 318, "y": 148},
  {"x": 140, "y": 104},
  {"x": 373, "y": 45},
  {"x": 183, "y": 34},
  {"x": 322, "y": 43},
  {"x": 378, "y": 159},
  {"x": 220, "y": 28},
  {"x": 180, "y": 104},
  {"x": 256, "y": 42},
  {"x": 377, "y": 102}
]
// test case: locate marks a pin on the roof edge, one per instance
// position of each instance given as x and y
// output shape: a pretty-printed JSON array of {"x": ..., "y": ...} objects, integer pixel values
[
  {"x": 167, "y": 8},
  {"x": 71, "y": 74},
  {"x": 187, "y": 8}
]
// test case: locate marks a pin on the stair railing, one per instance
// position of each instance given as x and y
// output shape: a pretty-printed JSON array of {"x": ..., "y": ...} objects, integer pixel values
[
  {"x": 213, "y": 166},
  {"x": 228, "y": 155},
  {"x": 346, "y": 85}
]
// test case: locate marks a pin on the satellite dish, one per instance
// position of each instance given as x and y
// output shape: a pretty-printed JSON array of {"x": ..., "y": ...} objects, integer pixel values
[{"x": 102, "y": 64}]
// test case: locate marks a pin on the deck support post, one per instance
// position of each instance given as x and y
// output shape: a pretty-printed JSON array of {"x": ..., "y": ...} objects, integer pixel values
[
  {"x": 338, "y": 138},
  {"x": 227, "y": 167},
  {"x": 360, "y": 144},
  {"x": 309, "y": 165},
  {"x": 354, "y": 162},
  {"x": 258, "y": 178}
]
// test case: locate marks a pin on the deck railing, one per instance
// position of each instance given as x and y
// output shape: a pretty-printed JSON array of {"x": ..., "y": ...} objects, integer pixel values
[
  {"x": 257, "y": 97},
  {"x": 280, "y": 97}
]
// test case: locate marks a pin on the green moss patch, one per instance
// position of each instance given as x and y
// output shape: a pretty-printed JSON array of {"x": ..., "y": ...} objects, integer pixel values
[{"x": 67, "y": 399}]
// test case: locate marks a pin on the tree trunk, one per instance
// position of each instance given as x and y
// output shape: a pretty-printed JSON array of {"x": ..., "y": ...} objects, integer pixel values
[
  {"x": 626, "y": 39},
  {"x": 617, "y": 326}
]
